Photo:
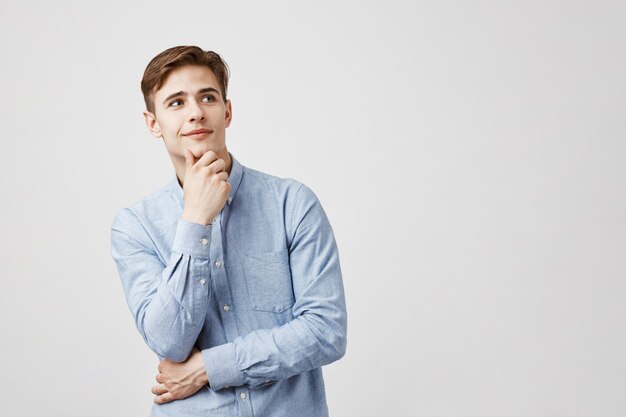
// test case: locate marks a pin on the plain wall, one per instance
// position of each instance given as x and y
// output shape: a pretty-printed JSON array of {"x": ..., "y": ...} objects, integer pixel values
[{"x": 470, "y": 155}]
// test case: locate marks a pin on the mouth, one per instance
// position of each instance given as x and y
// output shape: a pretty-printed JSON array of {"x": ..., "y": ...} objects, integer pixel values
[{"x": 198, "y": 132}]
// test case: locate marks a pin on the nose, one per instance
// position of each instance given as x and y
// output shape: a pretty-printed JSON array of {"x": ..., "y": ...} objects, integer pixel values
[{"x": 195, "y": 111}]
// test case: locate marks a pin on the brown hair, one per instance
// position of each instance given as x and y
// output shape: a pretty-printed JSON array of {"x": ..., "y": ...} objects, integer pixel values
[{"x": 161, "y": 65}]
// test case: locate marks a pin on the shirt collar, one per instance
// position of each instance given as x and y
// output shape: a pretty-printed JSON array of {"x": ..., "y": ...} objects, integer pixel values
[{"x": 236, "y": 171}]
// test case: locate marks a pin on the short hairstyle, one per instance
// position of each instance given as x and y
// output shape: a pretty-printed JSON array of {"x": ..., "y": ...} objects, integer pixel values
[{"x": 179, "y": 56}]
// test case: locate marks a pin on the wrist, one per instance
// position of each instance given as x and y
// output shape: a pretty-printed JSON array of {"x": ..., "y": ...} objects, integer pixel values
[{"x": 200, "y": 376}]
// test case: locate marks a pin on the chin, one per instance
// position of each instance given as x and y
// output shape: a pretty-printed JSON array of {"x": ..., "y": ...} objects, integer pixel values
[{"x": 199, "y": 148}]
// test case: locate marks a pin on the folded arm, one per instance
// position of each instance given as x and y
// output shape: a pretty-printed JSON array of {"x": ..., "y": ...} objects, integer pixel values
[{"x": 168, "y": 301}]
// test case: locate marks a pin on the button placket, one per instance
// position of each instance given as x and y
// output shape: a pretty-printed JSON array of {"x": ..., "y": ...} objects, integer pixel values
[{"x": 220, "y": 280}]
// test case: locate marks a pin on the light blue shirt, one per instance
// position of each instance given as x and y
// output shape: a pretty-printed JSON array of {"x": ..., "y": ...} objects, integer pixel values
[{"x": 259, "y": 292}]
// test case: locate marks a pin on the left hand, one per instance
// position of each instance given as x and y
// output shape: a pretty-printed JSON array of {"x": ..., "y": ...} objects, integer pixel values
[{"x": 178, "y": 380}]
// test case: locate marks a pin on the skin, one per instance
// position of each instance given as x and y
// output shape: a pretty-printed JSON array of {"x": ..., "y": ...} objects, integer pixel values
[
  {"x": 189, "y": 100},
  {"x": 201, "y": 161},
  {"x": 176, "y": 381}
]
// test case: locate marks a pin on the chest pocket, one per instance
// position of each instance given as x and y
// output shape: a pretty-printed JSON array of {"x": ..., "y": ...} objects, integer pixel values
[{"x": 268, "y": 278}]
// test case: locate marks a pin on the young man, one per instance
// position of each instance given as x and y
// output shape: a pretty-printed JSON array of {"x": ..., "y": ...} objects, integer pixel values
[{"x": 232, "y": 275}]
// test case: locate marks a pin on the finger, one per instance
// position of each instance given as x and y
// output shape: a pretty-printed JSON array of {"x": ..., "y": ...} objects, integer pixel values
[
  {"x": 190, "y": 158},
  {"x": 164, "y": 398},
  {"x": 158, "y": 389},
  {"x": 223, "y": 175},
  {"x": 207, "y": 158},
  {"x": 188, "y": 162},
  {"x": 218, "y": 165}
]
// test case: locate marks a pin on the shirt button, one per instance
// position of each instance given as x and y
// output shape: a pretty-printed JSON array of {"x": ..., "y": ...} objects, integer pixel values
[
  {"x": 226, "y": 307},
  {"x": 243, "y": 395},
  {"x": 218, "y": 263},
  {"x": 204, "y": 242},
  {"x": 203, "y": 281}
]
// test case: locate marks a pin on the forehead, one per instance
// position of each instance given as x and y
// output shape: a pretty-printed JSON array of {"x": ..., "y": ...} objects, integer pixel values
[{"x": 189, "y": 79}]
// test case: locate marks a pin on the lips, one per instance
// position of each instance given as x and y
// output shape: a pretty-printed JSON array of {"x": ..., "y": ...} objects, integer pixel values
[{"x": 197, "y": 132}]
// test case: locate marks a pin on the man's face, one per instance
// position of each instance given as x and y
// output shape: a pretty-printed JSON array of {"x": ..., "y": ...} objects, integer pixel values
[{"x": 189, "y": 113}]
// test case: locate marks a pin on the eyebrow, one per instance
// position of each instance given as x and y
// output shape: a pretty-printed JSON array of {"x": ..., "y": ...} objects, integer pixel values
[{"x": 182, "y": 93}]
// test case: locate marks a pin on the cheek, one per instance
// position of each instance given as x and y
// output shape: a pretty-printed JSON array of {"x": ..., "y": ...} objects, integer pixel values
[{"x": 171, "y": 128}]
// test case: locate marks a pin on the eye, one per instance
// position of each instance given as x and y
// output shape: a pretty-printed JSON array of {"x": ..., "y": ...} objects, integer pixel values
[
  {"x": 176, "y": 103},
  {"x": 208, "y": 99}
]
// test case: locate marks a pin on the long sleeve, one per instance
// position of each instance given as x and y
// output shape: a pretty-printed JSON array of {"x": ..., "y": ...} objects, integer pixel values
[
  {"x": 316, "y": 335},
  {"x": 168, "y": 301}
]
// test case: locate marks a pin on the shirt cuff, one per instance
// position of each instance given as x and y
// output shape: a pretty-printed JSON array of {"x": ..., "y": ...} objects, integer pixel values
[
  {"x": 221, "y": 367},
  {"x": 193, "y": 239}
]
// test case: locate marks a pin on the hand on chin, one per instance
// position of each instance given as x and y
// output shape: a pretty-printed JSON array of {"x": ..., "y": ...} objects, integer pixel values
[{"x": 199, "y": 149}]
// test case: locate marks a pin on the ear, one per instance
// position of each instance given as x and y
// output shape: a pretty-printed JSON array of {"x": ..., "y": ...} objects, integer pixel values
[
  {"x": 153, "y": 125},
  {"x": 229, "y": 113}
]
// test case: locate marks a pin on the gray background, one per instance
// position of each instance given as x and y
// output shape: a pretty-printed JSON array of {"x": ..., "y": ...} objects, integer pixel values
[{"x": 469, "y": 154}]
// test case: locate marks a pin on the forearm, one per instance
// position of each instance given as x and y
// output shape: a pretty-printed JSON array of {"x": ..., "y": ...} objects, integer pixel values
[
  {"x": 168, "y": 302},
  {"x": 170, "y": 325},
  {"x": 174, "y": 317},
  {"x": 266, "y": 355}
]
